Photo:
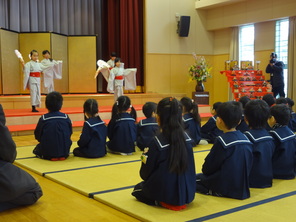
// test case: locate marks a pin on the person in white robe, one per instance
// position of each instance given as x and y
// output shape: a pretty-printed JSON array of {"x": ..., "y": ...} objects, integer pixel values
[
  {"x": 32, "y": 73},
  {"x": 52, "y": 70},
  {"x": 111, "y": 61},
  {"x": 117, "y": 78}
]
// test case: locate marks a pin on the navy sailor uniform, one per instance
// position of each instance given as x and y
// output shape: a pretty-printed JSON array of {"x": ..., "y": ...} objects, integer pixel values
[
  {"x": 161, "y": 185},
  {"x": 283, "y": 161},
  {"x": 227, "y": 167},
  {"x": 146, "y": 130},
  {"x": 122, "y": 133},
  {"x": 292, "y": 122},
  {"x": 92, "y": 141},
  {"x": 53, "y": 133},
  {"x": 210, "y": 131},
  {"x": 17, "y": 187},
  {"x": 263, "y": 147},
  {"x": 192, "y": 128}
]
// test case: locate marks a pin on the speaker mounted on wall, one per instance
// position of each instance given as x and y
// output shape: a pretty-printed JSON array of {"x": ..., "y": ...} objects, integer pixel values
[{"x": 183, "y": 26}]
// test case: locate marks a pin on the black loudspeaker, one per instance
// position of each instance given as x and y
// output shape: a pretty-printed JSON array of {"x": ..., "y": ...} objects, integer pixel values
[{"x": 183, "y": 26}]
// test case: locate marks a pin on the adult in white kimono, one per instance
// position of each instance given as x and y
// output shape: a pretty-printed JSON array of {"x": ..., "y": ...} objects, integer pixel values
[
  {"x": 32, "y": 74},
  {"x": 117, "y": 77},
  {"x": 52, "y": 70}
]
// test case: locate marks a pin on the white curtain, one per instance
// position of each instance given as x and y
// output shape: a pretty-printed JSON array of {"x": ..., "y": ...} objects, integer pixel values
[
  {"x": 69, "y": 17},
  {"x": 292, "y": 59}
]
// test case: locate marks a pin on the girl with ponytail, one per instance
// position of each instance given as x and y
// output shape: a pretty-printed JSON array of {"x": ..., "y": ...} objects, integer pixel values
[
  {"x": 191, "y": 120},
  {"x": 122, "y": 130},
  {"x": 168, "y": 169},
  {"x": 92, "y": 141}
]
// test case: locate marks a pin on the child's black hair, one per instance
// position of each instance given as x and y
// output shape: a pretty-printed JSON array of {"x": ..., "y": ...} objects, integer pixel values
[
  {"x": 45, "y": 51},
  {"x": 32, "y": 52},
  {"x": 116, "y": 60},
  {"x": 113, "y": 54},
  {"x": 231, "y": 113},
  {"x": 257, "y": 113},
  {"x": 281, "y": 113},
  {"x": 91, "y": 107},
  {"x": 244, "y": 100},
  {"x": 122, "y": 104},
  {"x": 216, "y": 105},
  {"x": 269, "y": 99},
  {"x": 169, "y": 112},
  {"x": 290, "y": 102},
  {"x": 191, "y": 107},
  {"x": 149, "y": 108},
  {"x": 281, "y": 100},
  {"x": 54, "y": 101}
]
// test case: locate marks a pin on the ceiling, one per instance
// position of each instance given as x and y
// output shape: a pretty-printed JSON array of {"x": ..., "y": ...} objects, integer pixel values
[{"x": 207, "y": 4}]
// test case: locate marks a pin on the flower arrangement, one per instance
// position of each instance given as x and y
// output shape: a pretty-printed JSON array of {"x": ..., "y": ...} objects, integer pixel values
[{"x": 201, "y": 70}]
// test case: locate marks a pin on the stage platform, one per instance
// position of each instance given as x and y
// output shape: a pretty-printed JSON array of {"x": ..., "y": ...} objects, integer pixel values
[{"x": 21, "y": 121}]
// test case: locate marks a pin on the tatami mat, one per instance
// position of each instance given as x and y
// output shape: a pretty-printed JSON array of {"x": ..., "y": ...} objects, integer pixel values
[{"x": 111, "y": 179}]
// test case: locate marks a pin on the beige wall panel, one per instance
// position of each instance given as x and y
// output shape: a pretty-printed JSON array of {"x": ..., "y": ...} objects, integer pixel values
[
  {"x": 264, "y": 36},
  {"x": 161, "y": 26},
  {"x": 251, "y": 11},
  {"x": 10, "y": 64},
  {"x": 30, "y": 41},
  {"x": 222, "y": 40},
  {"x": 158, "y": 73},
  {"x": 82, "y": 64},
  {"x": 59, "y": 51}
]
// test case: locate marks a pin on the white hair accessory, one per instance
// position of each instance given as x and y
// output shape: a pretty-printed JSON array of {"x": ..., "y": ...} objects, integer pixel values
[
  {"x": 30, "y": 56},
  {"x": 131, "y": 106},
  {"x": 117, "y": 103}
]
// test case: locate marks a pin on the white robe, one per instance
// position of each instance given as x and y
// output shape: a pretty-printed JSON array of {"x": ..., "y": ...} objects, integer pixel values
[
  {"x": 52, "y": 70},
  {"x": 33, "y": 83}
]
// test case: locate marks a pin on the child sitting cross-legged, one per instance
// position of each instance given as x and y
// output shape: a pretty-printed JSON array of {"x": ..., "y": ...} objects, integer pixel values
[{"x": 227, "y": 167}]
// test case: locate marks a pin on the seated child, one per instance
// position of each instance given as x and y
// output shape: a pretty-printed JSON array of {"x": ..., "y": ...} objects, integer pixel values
[
  {"x": 17, "y": 187},
  {"x": 147, "y": 128},
  {"x": 243, "y": 126},
  {"x": 283, "y": 160},
  {"x": 53, "y": 130},
  {"x": 269, "y": 99},
  {"x": 209, "y": 130},
  {"x": 256, "y": 116},
  {"x": 292, "y": 122},
  {"x": 168, "y": 169},
  {"x": 227, "y": 167},
  {"x": 92, "y": 141},
  {"x": 122, "y": 130}
]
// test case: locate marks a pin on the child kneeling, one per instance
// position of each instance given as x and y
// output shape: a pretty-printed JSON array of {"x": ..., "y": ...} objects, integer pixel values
[{"x": 227, "y": 167}]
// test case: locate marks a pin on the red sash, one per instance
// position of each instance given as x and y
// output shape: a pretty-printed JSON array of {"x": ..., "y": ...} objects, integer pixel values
[
  {"x": 35, "y": 74},
  {"x": 119, "y": 77}
]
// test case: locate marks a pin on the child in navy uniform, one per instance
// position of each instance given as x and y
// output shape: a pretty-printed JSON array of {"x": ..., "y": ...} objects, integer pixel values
[
  {"x": 17, "y": 187},
  {"x": 92, "y": 141},
  {"x": 209, "y": 130},
  {"x": 191, "y": 119},
  {"x": 256, "y": 116},
  {"x": 243, "y": 126},
  {"x": 227, "y": 167},
  {"x": 292, "y": 122},
  {"x": 122, "y": 130},
  {"x": 168, "y": 169},
  {"x": 53, "y": 130},
  {"x": 147, "y": 128},
  {"x": 283, "y": 161}
]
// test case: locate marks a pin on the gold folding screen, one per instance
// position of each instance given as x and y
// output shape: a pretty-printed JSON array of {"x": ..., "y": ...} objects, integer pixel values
[{"x": 78, "y": 54}]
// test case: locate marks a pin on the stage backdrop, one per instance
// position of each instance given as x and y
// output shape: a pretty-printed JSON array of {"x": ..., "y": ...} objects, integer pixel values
[
  {"x": 82, "y": 64},
  {"x": 10, "y": 66}
]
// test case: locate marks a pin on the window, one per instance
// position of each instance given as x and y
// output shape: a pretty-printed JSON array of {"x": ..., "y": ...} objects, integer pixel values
[
  {"x": 281, "y": 45},
  {"x": 246, "y": 43}
]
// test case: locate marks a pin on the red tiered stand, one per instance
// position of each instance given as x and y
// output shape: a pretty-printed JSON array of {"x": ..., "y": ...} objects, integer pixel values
[{"x": 249, "y": 83}]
